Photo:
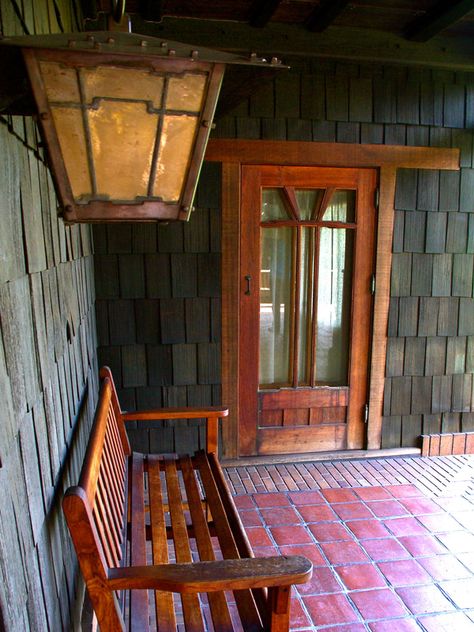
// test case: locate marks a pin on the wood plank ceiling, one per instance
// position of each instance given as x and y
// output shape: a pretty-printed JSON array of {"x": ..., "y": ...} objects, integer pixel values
[{"x": 417, "y": 20}]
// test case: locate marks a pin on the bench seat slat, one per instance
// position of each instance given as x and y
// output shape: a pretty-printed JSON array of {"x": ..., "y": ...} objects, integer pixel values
[
  {"x": 217, "y": 602},
  {"x": 238, "y": 529},
  {"x": 244, "y": 598},
  {"x": 191, "y": 609},
  {"x": 164, "y": 607},
  {"x": 138, "y": 598}
]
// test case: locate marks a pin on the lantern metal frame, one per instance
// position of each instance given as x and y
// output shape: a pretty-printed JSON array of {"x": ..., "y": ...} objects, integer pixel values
[{"x": 129, "y": 51}]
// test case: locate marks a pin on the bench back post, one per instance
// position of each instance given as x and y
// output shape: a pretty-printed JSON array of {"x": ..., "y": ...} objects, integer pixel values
[
  {"x": 80, "y": 522},
  {"x": 104, "y": 373},
  {"x": 212, "y": 435}
]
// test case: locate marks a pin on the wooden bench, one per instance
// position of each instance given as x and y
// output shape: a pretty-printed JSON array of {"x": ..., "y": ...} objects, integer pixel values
[{"x": 148, "y": 526}]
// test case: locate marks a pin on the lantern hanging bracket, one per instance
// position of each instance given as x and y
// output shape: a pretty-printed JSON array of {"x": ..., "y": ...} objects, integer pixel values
[{"x": 118, "y": 10}]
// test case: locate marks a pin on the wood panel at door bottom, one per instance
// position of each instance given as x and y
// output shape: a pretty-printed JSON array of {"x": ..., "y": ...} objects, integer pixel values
[
  {"x": 297, "y": 439},
  {"x": 302, "y": 407},
  {"x": 304, "y": 397}
]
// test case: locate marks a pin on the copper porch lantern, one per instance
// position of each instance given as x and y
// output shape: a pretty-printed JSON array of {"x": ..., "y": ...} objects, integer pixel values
[{"x": 125, "y": 119}]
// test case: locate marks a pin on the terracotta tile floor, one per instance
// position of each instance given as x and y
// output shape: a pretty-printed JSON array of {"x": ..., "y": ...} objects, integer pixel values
[{"x": 386, "y": 557}]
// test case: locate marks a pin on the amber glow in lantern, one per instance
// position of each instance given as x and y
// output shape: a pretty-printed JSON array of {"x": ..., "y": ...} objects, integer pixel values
[{"x": 125, "y": 119}]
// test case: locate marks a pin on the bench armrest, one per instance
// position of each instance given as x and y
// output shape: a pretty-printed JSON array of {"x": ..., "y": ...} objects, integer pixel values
[
  {"x": 210, "y": 414},
  {"x": 214, "y": 576},
  {"x": 175, "y": 413}
]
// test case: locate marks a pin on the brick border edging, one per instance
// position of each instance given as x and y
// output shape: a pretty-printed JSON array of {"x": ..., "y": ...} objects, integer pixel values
[{"x": 447, "y": 443}]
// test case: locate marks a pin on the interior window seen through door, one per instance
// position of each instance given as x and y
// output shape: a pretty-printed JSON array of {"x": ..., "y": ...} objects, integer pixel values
[{"x": 305, "y": 286}]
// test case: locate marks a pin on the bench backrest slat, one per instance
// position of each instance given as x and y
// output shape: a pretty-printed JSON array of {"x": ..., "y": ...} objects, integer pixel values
[
  {"x": 103, "y": 475},
  {"x": 118, "y": 458},
  {"x": 106, "y": 373},
  {"x": 111, "y": 525},
  {"x": 100, "y": 515},
  {"x": 112, "y": 482},
  {"x": 92, "y": 459}
]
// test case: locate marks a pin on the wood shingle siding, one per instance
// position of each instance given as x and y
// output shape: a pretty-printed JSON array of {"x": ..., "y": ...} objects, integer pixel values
[
  {"x": 159, "y": 324},
  {"x": 48, "y": 365},
  {"x": 432, "y": 301}
]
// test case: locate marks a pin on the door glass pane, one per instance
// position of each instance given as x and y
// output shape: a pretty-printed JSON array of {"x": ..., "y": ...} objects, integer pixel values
[
  {"x": 341, "y": 207},
  {"x": 273, "y": 205},
  {"x": 275, "y": 305},
  {"x": 305, "y": 304},
  {"x": 308, "y": 201},
  {"x": 334, "y": 306}
]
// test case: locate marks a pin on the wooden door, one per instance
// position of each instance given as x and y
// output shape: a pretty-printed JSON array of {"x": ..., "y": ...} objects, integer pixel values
[{"x": 307, "y": 257}]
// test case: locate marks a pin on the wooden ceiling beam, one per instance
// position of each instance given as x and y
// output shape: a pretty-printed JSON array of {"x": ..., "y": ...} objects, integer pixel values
[
  {"x": 324, "y": 15},
  {"x": 337, "y": 42},
  {"x": 262, "y": 12},
  {"x": 259, "y": 152},
  {"x": 443, "y": 15}
]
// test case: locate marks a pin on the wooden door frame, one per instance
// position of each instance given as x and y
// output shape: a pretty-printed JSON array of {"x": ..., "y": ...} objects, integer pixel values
[{"x": 387, "y": 159}]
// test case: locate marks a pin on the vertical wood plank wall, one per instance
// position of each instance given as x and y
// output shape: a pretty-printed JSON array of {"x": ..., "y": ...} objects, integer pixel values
[
  {"x": 48, "y": 365},
  {"x": 429, "y": 383}
]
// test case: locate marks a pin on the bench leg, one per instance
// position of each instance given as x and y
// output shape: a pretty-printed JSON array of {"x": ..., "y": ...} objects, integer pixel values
[{"x": 279, "y": 600}]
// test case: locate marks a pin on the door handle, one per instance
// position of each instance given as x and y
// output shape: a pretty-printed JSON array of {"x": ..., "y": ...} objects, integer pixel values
[{"x": 248, "y": 279}]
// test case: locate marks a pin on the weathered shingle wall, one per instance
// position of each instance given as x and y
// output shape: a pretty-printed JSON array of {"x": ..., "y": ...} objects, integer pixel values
[
  {"x": 430, "y": 358},
  {"x": 429, "y": 385},
  {"x": 158, "y": 315},
  {"x": 48, "y": 365},
  {"x": 151, "y": 287}
]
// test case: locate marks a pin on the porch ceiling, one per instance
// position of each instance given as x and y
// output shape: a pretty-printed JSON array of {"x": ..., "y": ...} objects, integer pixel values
[
  {"x": 437, "y": 32},
  {"x": 434, "y": 33}
]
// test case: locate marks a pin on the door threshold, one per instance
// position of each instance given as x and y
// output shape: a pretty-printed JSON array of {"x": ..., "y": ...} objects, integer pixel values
[{"x": 338, "y": 455}]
